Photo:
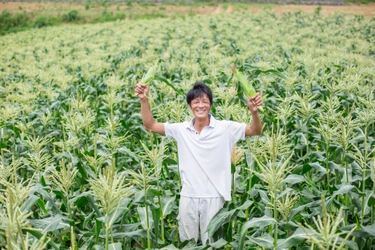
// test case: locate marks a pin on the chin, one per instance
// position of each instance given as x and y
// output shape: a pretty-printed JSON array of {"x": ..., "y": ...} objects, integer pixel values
[{"x": 201, "y": 115}]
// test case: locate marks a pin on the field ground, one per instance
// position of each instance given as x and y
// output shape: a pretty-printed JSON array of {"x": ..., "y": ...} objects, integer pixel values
[{"x": 368, "y": 10}]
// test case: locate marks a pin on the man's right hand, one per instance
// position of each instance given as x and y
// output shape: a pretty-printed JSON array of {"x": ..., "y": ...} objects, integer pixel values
[{"x": 142, "y": 90}]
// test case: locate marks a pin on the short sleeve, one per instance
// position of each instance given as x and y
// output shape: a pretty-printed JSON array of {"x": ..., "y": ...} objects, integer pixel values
[
  {"x": 237, "y": 131},
  {"x": 170, "y": 130}
]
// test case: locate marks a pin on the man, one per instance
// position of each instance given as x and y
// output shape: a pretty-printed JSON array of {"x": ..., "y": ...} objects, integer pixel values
[{"x": 204, "y": 155}]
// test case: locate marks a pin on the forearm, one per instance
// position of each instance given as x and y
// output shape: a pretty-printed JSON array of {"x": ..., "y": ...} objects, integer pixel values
[
  {"x": 256, "y": 123},
  {"x": 255, "y": 128},
  {"x": 147, "y": 118}
]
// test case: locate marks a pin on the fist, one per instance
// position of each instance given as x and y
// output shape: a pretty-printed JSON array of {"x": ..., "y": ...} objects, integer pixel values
[
  {"x": 254, "y": 102},
  {"x": 141, "y": 90}
]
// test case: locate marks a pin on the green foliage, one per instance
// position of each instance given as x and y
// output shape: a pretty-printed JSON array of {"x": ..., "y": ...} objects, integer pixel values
[
  {"x": 71, "y": 16},
  {"x": 146, "y": 4},
  {"x": 78, "y": 170},
  {"x": 129, "y": 3},
  {"x": 13, "y": 22},
  {"x": 152, "y": 15},
  {"x": 318, "y": 10},
  {"x": 43, "y": 21},
  {"x": 109, "y": 17}
]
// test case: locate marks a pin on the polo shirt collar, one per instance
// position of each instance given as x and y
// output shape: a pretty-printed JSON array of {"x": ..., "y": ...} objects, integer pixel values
[{"x": 212, "y": 123}]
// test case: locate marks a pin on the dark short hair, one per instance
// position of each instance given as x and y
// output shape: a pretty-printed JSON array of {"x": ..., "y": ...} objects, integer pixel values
[{"x": 198, "y": 90}]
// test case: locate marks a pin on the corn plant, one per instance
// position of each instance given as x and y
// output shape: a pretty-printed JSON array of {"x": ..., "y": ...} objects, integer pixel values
[{"x": 79, "y": 171}]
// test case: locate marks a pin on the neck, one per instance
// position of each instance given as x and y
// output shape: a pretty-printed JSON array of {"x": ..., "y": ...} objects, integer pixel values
[{"x": 200, "y": 123}]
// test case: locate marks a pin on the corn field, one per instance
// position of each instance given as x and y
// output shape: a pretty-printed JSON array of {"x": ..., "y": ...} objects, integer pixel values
[{"x": 79, "y": 171}]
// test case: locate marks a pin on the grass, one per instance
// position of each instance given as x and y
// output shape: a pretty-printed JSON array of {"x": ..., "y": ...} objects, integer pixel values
[
  {"x": 58, "y": 15},
  {"x": 15, "y": 22}
]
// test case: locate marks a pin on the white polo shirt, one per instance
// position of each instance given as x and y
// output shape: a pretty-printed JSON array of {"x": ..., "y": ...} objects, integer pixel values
[{"x": 205, "y": 158}]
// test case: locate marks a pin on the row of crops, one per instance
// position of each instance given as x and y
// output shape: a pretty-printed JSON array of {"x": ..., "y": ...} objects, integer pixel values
[{"x": 78, "y": 170}]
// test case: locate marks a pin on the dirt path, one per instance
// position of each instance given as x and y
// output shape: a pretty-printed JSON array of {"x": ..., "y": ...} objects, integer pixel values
[{"x": 366, "y": 10}]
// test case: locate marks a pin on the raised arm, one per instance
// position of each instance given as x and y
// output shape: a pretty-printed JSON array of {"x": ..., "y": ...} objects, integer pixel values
[
  {"x": 148, "y": 121},
  {"x": 255, "y": 128}
]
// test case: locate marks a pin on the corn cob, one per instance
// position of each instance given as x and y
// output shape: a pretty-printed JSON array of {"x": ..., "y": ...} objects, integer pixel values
[
  {"x": 150, "y": 74},
  {"x": 248, "y": 89}
]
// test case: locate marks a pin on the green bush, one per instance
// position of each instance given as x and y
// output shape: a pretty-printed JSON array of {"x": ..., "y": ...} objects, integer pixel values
[
  {"x": 120, "y": 16},
  {"x": 10, "y": 22},
  {"x": 72, "y": 16},
  {"x": 152, "y": 15},
  {"x": 318, "y": 10},
  {"x": 109, "y": 17},
  {"x": 43, "y": 21}
]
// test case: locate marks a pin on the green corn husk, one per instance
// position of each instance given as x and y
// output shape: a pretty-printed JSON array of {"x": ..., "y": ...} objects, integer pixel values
[
  {"x": 247, "y": 87},
  {"x": 150, "y": 74}
]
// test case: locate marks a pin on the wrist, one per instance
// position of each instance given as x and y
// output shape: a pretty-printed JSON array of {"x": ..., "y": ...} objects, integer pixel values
[
  {"x": 144, "y": 99},
  {"x": 254, "y": 112}
]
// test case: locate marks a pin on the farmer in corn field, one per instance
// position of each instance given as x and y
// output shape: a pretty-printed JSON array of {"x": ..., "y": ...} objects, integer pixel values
[{"x": 204, "y": 156}]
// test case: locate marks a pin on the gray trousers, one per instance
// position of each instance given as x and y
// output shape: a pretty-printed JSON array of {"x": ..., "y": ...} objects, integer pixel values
[{"x": 194, "y": 216}]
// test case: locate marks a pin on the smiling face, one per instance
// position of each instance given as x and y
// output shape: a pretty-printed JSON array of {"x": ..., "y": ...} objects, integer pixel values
[
  {"x": 199, "y": 99},
  {"x": 200, "y": 106}
]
